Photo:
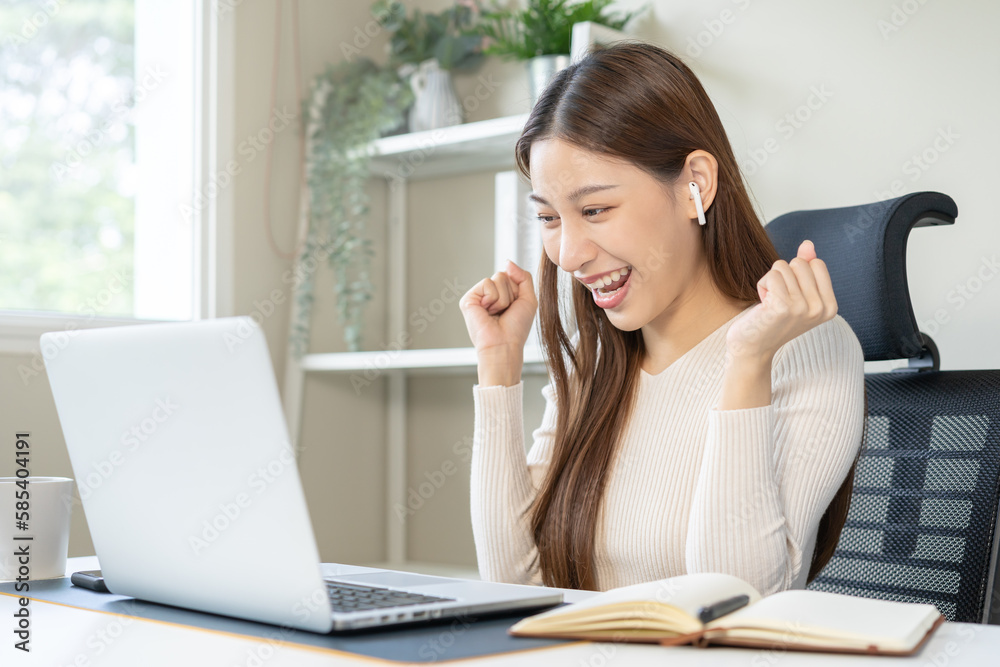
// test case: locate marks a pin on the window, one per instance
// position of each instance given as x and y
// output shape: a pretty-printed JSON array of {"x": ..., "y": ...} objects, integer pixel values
[{"x": 103, "y": 143}]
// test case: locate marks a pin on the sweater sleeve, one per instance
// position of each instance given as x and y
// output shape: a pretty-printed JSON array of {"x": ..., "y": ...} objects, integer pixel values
[
  {"x": 505, "y": 481},
  {"x": 769, "y": 473}
]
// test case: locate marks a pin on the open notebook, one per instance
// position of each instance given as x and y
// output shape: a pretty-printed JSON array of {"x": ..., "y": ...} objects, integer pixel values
[{"x": 668, "y": 612}]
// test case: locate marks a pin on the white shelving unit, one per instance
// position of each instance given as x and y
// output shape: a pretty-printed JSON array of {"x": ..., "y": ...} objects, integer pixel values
[
  {"x": 480, "y": 146},
  {"x": 470, "y": 147},
  {"x": 460, "y": 359}
]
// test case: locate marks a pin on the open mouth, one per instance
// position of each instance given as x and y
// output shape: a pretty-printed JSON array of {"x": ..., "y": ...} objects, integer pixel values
[
  {"x": 612, "y": 295},
  {"x": 612, "y": 283}
]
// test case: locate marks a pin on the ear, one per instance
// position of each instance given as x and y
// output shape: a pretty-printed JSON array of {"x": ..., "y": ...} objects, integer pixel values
[{"x": 702, "y": 168}]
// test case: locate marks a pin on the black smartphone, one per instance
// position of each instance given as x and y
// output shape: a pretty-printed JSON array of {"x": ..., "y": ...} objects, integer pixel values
[{"x": 91, "y": 579}]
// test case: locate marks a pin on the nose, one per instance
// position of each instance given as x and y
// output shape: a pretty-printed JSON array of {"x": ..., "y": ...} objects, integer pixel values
[{"x": 575, "y": 247}]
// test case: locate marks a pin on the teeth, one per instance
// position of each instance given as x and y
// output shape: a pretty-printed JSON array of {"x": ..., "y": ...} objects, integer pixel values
[{"x": 607, "y": 280}]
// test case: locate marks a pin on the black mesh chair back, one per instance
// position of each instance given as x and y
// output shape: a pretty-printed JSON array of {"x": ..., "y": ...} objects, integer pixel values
[{"x": 922, "y": 525}]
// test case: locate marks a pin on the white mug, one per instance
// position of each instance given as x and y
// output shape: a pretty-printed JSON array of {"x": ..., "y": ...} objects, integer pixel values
[{"x": 34, "y": 527}]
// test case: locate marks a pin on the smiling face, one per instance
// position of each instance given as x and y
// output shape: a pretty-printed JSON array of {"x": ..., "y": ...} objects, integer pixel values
[{"x": 632, "y": 224}]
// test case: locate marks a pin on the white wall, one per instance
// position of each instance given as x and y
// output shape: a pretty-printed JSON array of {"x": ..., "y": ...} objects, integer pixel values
[
  {"x": 889, "y": 97},
  {"x": 902, "y": 81}
]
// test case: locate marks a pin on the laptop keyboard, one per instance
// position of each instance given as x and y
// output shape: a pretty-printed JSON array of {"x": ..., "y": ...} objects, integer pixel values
[{"x": 351, "y": 597}]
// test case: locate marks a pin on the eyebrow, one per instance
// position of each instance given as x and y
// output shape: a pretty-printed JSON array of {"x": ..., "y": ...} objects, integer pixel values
[{"x": 575, "y": 195}]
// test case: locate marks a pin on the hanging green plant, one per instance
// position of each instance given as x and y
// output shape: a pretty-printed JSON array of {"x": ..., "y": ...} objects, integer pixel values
[{"x": 350, "y": 105}]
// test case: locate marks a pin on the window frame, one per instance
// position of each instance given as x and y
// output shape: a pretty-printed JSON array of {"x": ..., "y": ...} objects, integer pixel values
[{"x": 213, "y": 242}]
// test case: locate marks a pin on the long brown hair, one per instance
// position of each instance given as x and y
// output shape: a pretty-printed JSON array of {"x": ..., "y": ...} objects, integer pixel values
[{"x": 637, "y": 102}]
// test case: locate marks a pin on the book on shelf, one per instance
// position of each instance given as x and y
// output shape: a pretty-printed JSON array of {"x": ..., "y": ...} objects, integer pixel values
[{"x": 706, "y": 609}]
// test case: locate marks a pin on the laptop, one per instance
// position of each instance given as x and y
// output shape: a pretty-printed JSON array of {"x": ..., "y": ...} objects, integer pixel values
[{"x": 191, "y": 489}]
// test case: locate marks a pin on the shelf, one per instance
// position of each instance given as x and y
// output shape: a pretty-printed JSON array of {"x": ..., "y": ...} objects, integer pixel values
[
  {"x": 432, "y": 361},
  {"x": 469, "y": 147}
]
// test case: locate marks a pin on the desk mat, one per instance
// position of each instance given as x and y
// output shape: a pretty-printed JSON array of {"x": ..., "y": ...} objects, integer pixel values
[{"x": 454, "y": 639}]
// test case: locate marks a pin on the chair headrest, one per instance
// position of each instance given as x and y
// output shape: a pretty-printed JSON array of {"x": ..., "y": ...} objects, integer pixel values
[{"x": 864, "y": 248}]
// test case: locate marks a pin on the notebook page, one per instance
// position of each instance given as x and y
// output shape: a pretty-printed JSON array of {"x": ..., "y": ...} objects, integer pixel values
[
  {"x": 687, "y": 592},
  {"x": 802, "y": 614}
]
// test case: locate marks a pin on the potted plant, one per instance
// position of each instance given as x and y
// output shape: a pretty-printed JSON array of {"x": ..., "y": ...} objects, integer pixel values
[
  {"x": 350, "y": 105},
  {"x": 540, "y": 34},
  {"x": 425, "y": 48}
]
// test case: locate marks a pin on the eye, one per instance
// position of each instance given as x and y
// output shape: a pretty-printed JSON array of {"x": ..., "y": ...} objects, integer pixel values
[{"x": 587, "y": 213}]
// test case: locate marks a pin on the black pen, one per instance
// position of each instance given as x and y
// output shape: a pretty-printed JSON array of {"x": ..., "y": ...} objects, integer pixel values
[{"x": 719, "y": 609}]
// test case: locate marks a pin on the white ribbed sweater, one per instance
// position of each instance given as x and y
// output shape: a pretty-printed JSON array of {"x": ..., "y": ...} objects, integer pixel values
[{"x": 692, "y": 488}]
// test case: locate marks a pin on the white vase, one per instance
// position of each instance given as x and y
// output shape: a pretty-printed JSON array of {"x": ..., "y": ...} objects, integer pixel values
[
  {"x": 435, "y": 104},
  {"x": 541, "y": 70}
]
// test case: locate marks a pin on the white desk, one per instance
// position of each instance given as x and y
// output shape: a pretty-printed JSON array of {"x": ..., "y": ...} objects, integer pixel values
[{"x": 63, "y": 636}]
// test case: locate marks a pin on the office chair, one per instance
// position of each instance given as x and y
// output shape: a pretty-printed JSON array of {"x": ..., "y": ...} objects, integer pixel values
[{"x": 922, "y": 524}]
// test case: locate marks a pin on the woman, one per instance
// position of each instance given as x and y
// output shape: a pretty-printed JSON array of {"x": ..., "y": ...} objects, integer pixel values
[{"x": 711, "y": 403}]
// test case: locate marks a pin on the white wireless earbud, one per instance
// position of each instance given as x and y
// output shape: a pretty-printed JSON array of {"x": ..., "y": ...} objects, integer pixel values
[{"x": 698, "y": 205}]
